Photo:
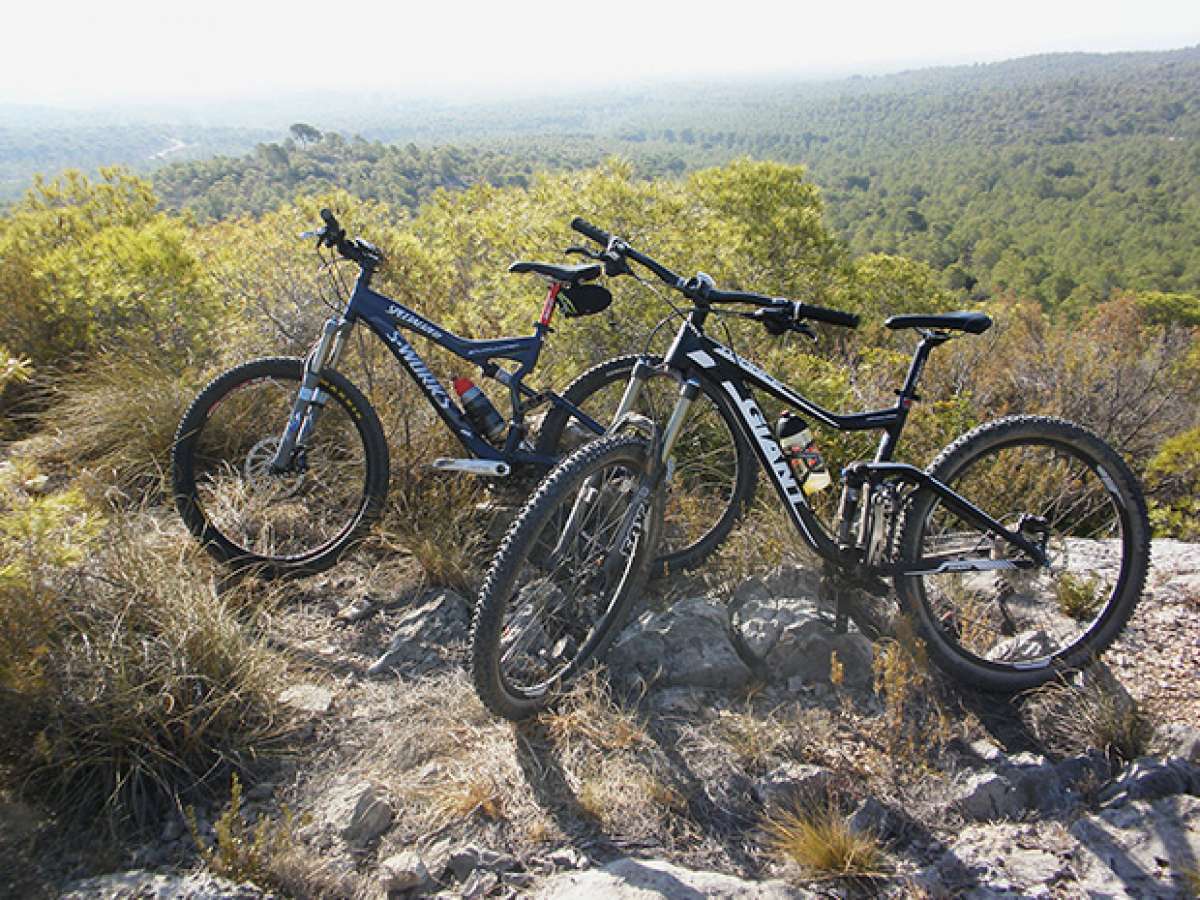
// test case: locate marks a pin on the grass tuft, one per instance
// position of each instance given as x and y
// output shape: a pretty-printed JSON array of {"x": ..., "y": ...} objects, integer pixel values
[
  {"x": 118, "y": 422},
  {"x": 126, "y": 681},
  {"x": 1093, "y": 713},
  {"x": 824, "y": 846}
]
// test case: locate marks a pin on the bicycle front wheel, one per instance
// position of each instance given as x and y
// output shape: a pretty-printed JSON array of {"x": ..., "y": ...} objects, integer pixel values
[
  {"x": 1059, "y": 485},
  {"x": 565, "y": 576},
  {"x": 715, "y": 470},
  {"x": 297, "y": 521}
]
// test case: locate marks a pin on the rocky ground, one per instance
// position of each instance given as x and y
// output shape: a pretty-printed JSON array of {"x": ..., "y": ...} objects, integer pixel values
[{"x": 721, "y": 713}]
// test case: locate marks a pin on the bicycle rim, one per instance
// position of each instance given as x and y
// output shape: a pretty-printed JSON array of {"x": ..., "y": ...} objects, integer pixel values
[
  {"x": 569, "y": 588},
  {"x": 1027, "y": 618},
  {"x": 286, "y": 516}
]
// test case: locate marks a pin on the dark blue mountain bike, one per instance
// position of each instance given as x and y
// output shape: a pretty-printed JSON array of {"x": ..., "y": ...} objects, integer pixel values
[{"x": 281, "y": 463}]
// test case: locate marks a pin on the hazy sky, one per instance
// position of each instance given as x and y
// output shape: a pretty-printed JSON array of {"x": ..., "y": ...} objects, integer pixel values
[{"x": 68, "y": 52}]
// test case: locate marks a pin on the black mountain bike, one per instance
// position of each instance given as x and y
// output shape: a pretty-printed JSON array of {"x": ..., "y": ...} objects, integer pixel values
[
  {"x": 281, "y": 463},
  {"x": 1019, "y": 553}
]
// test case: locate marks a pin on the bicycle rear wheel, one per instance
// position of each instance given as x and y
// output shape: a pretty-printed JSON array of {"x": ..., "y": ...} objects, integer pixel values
[
  {"x": 1060, "y": 486},
  {"x": 565, "y": 576},
  {"x": 298, "y": 521}
]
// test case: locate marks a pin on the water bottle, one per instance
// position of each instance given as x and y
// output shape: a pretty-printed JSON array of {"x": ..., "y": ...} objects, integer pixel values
[
  {"x": 802, "y": 454},
  {"x": 479, "y": 409}
]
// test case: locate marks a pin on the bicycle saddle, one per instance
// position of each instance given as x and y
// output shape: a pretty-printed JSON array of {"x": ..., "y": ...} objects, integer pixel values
[
  {"x": 970, "y": 322},
  {"x": 566, "y": 274}
]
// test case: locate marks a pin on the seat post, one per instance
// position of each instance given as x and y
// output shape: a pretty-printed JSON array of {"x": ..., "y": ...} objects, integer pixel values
[{"x": 907, "y": 395}]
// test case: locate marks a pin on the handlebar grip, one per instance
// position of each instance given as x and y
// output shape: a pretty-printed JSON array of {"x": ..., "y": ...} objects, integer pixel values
[
  {"x": 328, "y": 218},
  {"x": 715, "y": 296},
  {"x": 825, "y": 314},
  {"x": 584, "y": 227}
]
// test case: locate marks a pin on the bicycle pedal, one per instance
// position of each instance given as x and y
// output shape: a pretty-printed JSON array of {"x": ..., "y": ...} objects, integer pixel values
[{"x": 482, "y": 467}]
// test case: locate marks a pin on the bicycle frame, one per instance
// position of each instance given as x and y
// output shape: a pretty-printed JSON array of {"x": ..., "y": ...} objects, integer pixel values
[
  {"x": 387, "y": 318},
  {"x": 694, "y": 356}
]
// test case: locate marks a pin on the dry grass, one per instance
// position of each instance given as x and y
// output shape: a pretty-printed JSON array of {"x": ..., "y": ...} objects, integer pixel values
[
  {"x": 127, "y": 681},
  {"x": 823, "y": 845},
  {"x": 118, "y": 422},
  {"x": 914, "y": 721},
  {"x": 590, "y": 714},
  {"x": 757, "y": 740},
  {"x": 465, "y": 795},
  {"x": 1094, "y": 712}
]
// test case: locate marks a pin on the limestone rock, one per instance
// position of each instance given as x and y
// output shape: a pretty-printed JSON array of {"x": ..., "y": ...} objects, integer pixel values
[
  {"x": 142, "y": 885},
  {"x": 356, "y": 810},
  {"x": 687, "y": 645},
  {"x": 1139, "y": 848},
  {"x": 636, "y": 879},
  {"x": 794, "y": 640},
  {"x": 424, "y": 633},
  {"x": 404, "y": 871},
  {"x": 1147, "y": 778},
  {"x": 309, "y": 698}
]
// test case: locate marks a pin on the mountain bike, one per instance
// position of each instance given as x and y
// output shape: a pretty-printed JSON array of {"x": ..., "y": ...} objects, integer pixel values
[
  {"x": 281, "y": 463},
  {"x": 1019, "y": 553}
]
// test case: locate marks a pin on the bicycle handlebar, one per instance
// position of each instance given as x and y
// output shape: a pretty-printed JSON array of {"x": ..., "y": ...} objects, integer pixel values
[
  {"x": 702, "y": 288},
  {"x": 367, "y": 255}
]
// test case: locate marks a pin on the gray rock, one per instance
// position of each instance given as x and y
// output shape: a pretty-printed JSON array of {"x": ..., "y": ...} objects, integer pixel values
[
  {"x": 404, "y": 871},
  {"x": 1180, "y": 740},
  {"x": 873, "y": 817},
  {"x": 423, "y": 634},
  {"x": 688, "y": 645},
  {"x": 465, "y": 860},
  {"x": 638, "y": 879},
  {"x": 1138, "y": 849},
  {"x": 309, "y": 698},
  {"x": 793, "y": 639},
  {"x": 681, "y": 701},
  {"x": 987, "y": 796},
  {"x": 142, "y": 885},
  {"x": 793, "y": 784},
  {"x": 568, "y": 858},
  {"x": 1147, "y": 778},
  {"x": 1001, "y": 860},
  {"x": 479, "y": 883},
  {"x": 358, "y": 811}
]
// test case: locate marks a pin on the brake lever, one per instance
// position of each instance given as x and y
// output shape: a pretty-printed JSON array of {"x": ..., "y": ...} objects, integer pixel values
[
  {"x": 583, "y": 251},
  {"x": 804, "y": 329}
]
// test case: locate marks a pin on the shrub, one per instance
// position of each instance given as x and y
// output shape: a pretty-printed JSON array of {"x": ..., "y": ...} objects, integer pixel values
[
  {"x": 1173, "y": 482},
  {"x": 242, "y": 851},
  {"x": 90, "y": 265},
  {"x": 125, "y": 681}
]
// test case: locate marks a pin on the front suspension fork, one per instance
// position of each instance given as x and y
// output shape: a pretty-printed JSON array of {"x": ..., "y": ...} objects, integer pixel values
[
  {"x": 642, "y": 371},
  {"x": 310, "y": 399}
]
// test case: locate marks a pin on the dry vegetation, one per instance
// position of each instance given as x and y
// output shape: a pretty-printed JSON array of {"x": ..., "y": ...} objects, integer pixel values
[{"x": 135, "y": 678}]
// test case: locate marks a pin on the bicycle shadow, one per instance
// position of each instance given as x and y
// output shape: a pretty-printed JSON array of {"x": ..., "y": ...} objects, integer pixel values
[{"x": 537, "y": 758}]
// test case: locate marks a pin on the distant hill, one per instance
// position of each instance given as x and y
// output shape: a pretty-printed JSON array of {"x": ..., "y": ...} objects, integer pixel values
[{"x": 1063, "y": 176}]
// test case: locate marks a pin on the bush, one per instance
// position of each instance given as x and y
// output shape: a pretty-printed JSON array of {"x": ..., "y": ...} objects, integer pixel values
[
  {"x": 117, "y": 421},
  {"x": 124, "y": 680},
  {"x": 87, "y": 266}
]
